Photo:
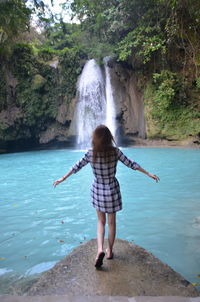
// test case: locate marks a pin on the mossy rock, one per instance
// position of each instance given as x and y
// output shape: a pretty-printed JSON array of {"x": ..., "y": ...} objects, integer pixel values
[{"x": 38, "y": 82}]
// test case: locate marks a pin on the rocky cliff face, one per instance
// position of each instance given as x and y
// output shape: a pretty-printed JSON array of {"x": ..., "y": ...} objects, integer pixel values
[
  {"x": 59, "y": 130},
  {"x": 129, "y": 102},
  {"x": 21, "y": 127}
]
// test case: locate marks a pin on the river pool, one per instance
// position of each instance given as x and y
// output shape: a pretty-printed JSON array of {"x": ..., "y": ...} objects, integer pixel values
[{"x": 40, "y": 225}]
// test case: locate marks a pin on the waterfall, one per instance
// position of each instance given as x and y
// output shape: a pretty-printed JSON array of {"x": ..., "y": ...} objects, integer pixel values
[
  {"x": 110, "y": 104},
  {"x": 91, "y": 106},
  {"x": 98, "y": 103}
]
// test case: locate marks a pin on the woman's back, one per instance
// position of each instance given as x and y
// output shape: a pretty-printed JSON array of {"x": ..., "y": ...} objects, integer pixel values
[
  {"x": 105, "y": 163},
  {"x": 104, "y": 166}
]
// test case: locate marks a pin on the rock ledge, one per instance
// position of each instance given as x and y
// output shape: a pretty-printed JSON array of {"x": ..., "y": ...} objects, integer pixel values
[{"x": 133, "y": 272}]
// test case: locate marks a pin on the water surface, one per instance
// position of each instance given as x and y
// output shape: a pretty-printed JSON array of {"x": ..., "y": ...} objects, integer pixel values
[{"x": 40, "y": 225}]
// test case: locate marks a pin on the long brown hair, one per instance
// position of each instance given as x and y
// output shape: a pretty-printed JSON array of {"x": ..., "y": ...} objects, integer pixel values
[{"x": 103, "y": 143}]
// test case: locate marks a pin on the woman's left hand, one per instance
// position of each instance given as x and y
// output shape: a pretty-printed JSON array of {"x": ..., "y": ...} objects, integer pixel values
[{"x": 155, "y": 177}]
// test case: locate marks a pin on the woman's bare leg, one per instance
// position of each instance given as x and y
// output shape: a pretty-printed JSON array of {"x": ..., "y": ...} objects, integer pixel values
[
  {"x": 100, "y": 231},
  {"x": 111, "y": 233}
]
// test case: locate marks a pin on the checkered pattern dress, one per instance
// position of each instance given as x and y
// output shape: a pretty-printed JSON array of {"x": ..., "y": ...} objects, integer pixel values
[{"x": 105, "y": 191}]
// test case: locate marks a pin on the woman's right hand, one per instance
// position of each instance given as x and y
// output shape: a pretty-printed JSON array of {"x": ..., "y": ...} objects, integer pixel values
[{"x": 56, "y": 182}]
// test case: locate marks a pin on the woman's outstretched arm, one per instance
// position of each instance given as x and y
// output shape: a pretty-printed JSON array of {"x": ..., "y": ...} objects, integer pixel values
[
  {"x": 148, "y": 173},
  {"x": 78, "y": 166},
  {"x": 133, "y": 165},
  {"x": 56, "y": 182}
]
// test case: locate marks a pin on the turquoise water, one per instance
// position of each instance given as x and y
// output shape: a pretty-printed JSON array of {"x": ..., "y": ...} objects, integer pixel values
[{"x": 40, "y": 225}]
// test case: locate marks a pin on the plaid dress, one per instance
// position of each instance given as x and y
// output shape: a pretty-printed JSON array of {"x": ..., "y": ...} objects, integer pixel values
[{"x": 105, "y": 191}]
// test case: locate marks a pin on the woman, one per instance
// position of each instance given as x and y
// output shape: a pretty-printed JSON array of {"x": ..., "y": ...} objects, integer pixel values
[{"x": 106, "y": 196}]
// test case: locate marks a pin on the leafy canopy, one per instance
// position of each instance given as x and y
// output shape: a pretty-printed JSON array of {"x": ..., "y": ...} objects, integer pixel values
[{"x": 14, "y": 19}]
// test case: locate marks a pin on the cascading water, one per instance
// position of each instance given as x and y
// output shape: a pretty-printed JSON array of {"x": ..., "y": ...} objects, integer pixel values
[
  {"x": 110, "y": 104},
  {"x": 91, "y": 106}
]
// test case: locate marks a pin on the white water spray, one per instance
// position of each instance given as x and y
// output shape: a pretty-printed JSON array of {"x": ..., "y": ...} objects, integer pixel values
[
  {"x": 110, "y": 104},
  {"x": 95, "y": 104},
  {"x": 90, "y": 111}
]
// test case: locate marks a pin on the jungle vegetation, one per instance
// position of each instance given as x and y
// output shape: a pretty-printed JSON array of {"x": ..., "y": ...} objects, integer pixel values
[{"x": 158, "y": 39}]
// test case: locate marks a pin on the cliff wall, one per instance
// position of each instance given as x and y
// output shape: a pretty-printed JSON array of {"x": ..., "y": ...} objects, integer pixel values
[
  {"x": 38, "y": 101},
  {"x": 38, "y": 107}
]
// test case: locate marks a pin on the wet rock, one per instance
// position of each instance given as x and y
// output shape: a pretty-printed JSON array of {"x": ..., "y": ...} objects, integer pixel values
[
  {"x": 128, "y": 101},
  {"x": 133, "y": 272}
]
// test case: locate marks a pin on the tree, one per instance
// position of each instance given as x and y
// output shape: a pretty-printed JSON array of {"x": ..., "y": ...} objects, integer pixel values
[
  {"x": 144, "y": 29},
  {"x": 14, "y": 19}
]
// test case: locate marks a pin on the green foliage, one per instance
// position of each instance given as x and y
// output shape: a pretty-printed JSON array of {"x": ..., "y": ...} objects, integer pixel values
[
  {"x": 150, "y": 31},
  {"x": 198, "y": 82},
  {"x": 61, "y": 35},
  {"x": 169, "y": 91},
  {"x": 47, "y": 53},
  {"x": 145, "y": 35},
  {"x": 14, "y": 19},
  {"x": 143, "y": 41},
  {"x": 38, "y": 82},
  {"x": 168, "y": 111},
  {"x": 41, "y": 88},
  {"x": 99, "y": 50},
  {"x": 24, "y": 63},
  {"x": 36, "y": 93},
  {"x": 70, "y": 62}
]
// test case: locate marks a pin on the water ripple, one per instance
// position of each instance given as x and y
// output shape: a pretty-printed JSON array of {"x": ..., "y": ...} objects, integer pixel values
[{"x": 40, "y": 225}]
